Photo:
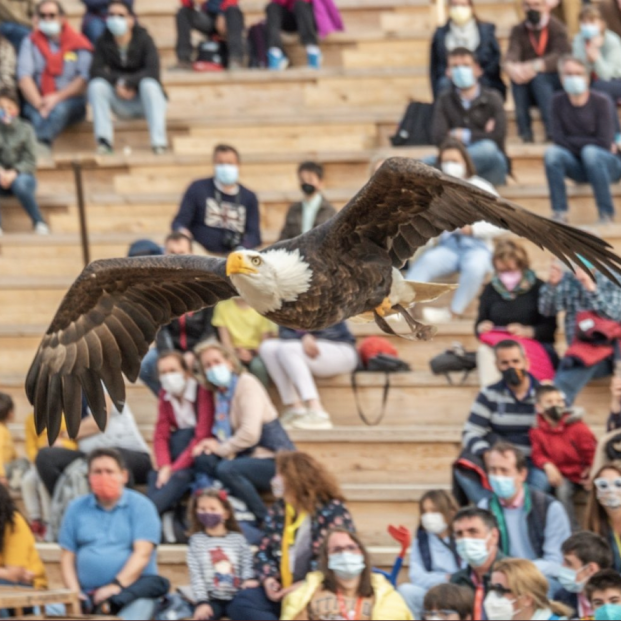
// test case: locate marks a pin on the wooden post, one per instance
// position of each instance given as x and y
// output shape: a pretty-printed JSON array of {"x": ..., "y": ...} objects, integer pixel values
[{"x": 79, "y": 190}]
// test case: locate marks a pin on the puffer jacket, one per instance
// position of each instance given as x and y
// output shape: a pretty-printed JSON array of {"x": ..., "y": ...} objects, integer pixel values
[{"x": 388, "y": 604}]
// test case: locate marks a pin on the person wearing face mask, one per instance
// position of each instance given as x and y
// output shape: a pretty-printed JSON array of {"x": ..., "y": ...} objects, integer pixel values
[
  {"x": 220, "y": 213},
  {"x": 535, "y": 46},
  {"x": 185, "y": 417},
  {"x": 313, "y": 209},
  {"x": 464, "y": 29},
  {"x": 508, "y": 308},
  {"x": 246, "y": 433},
  {"x": 18, "y": 162},
  {"x": 219, "y": 557},
  {"x": 94, "y": 20},
  {"x": 52, "y": 70},
  {"x": 309, "y": 503},
  {"x": 520, "y": 591},
  {"x": 108, "y": 542},
  {"x": 433, "y": 556},
  {"x": 344, "y": 587},
  {"x": 467, "y": 251},
  {"x": 563, "y": 447},
  {"x": 125, "y": 80},
  {"x": 584, "y": 555},
  {"x": 474, "y": 115},
  {"x": 604, "y": 592},
  {"x": 583, "y": 133}
]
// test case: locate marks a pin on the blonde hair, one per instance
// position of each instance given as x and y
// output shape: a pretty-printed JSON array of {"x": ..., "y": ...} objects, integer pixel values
[
  {"x": 524, "y": 578},
  {"x": 227, "y": 354}
]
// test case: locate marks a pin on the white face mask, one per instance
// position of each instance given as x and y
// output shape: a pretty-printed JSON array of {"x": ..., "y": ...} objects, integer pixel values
[
  {"x": 173, "y": 383},
  {"x": 454, "y": 169},
  {"x": 433, "y": 523},
  {"x": 498, "y": 608}
]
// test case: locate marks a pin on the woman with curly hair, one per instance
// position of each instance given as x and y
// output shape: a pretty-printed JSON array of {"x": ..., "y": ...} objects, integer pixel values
[{"x": 309, "y": 503}]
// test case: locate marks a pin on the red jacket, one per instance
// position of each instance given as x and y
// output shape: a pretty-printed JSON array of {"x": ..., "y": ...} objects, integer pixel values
[
  {"x": 167, "y": 423},
  {"x": 570, "y": 446}
]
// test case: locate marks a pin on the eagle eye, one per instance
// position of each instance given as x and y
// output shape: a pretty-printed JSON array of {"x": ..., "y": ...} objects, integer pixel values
[{"x": 256, "y": 261}]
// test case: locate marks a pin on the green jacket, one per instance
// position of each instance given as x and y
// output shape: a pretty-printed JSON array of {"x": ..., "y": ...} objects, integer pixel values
[{"x": 17, "y": 147}]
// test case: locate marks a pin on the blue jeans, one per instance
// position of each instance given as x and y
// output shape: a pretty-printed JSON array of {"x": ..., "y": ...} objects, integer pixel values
[
  {"x": 489, "y": 161},
  {"x": 24, "y": 188},
  {"x": 141, "y": 608},
  {"x": 66, "y": 113},
  {"x": 537, "y": 92},
  {"x": 15, "y": 33},
  {"x": 150, "y": 103},
  {"x": 571, "y": 378},
  {"x": 595, "y": 165},
  {"x": 253, "y": 604},
  {"x": 93, "y": 27},
  {"x": 464, "y": 254},
  {"x": 148, "y": 371}
]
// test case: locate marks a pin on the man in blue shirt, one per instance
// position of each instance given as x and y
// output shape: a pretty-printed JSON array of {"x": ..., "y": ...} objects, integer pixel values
[{"x": 108, "y": 540}]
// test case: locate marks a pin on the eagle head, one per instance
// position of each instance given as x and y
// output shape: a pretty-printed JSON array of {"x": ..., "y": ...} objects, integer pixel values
[{"x": 266, "y": 280}]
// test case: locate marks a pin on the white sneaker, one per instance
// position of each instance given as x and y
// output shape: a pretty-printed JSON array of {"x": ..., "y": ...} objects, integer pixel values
[
  {"x": 314, "y": 419},
  {"x": 168, "y": 528},
  {"x": 291, "y": 414},
  {"x": 41, "y": 228},
  {"x": 436, "y": 315}
]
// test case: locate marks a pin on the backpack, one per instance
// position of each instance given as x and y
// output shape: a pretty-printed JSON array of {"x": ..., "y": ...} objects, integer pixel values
[
  {"x": 257, "y": 46},
  {"x": 415, "y": 126},
  {"x": 72, "y": 484},
  {"x": 211, "y": 56},
  {"x": 454, "y": 360}
]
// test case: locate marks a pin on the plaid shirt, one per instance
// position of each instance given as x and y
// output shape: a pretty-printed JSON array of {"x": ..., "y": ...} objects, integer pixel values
[{"x": 570, "y": 296}]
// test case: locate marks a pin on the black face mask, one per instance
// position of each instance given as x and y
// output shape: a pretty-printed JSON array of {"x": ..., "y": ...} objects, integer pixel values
[
  {"x": 534, "y": 17},
  {"x": 555, "y": 413},
  {"x": 308, "y": 188},
  {"x": 513, "y": 377}
]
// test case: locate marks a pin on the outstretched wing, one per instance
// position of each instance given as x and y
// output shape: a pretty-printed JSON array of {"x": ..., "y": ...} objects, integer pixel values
[
  {"x": 407, "y": 203},
  {"x": 104, "y": 327}
]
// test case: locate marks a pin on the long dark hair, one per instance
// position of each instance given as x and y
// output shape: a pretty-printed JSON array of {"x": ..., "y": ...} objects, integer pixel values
[
  {"x": 7, "y": 513},
  {"x": 457, "y": 145}
]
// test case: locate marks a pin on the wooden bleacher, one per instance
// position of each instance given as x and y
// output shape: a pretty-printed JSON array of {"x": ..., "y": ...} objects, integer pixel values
[{"x": 342, "y": 116}]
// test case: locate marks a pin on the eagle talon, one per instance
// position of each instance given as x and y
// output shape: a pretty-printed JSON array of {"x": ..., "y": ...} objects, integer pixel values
[
  {"x": 419, "y": 330},
  {"x": 384, "y": 308}
]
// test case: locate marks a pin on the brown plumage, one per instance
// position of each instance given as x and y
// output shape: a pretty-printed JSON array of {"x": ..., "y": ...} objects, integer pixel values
[{"x": 112, "y": 312}]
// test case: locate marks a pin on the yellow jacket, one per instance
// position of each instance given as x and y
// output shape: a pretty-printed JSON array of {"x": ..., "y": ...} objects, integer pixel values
[
  {"x": 388, "y": 603},
  {"x": 35, "y": 442}
]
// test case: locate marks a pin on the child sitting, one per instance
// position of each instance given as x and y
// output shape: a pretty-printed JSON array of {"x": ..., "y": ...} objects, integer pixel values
[
  {"x": 219, "y": 557},
  {"x": 562, "y": 445},
  {"x": 604, "y": 593},
  {"x": 7, "y": 448}
]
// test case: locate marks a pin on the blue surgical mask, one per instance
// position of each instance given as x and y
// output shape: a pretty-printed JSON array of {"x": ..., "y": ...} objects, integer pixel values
[
  {"x": 462, "y": 76},
  {"x": 472, "y": 551},
  {"x": 503, "y": 487},
  {"x": 5, "y": 117},
  {"x": 346, "y": 565},
  {"x": 568, "y": 579},
  {"x": 589, "y": 31},
  {"x": 50, "y": 28},
  {"x": 219, "y": 375},
  {"x": 575, "y": 84},
  {"x": 117, "y": 25},
  {"x": 227, "y": 174},
  {"x": 607, "y": 612}
]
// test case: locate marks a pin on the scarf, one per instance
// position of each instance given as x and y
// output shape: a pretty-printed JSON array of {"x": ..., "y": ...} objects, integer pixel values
[
  {"x": 221, "y": 429},
  {"x": 288, "y": 541},
  {"x": 526, "y": 284},
  {"x": 70, "y": 41},
  {"x": 467, "y": 36}
]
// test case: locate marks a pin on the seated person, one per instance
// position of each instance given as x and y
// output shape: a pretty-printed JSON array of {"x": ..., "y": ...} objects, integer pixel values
[
  {"x": 18, "y": 163},
  {"x": 448, "y": 601},
  {"x": 313, "y": 209},
  {"x": 218, "y": 212},
  {"x": 604, "y": 593},
  {"x": 94, "y": 20},
  {"x": 467, "y": 251},
  {"x": 309, "y": 503},
  {"x": 7, "y": 447},
  {"x": 563, "y": 447},
  {"x": 53, "y": 69},
  {"x": 532, "y": 524},
  {"x": 125, "y": 79},
  {"x": 295, "y": 358},
  {"x": 477, "y": 542},
  {"x": 464, "y": 29},
  {"x": 108, "y": 542},
  {"x": 474, "y": 115},
  {"x": 531, "y": 62},
  {"x": 433, "y": 556},
  {"x": 215, "y": 17},
  {"x": 613, "y": 425},
  {"x": 574, "y": 293},
  {"x": 519, "y": 588},
  {"x": 344, "y": 582},
  {"x": 8, "y": 65},
  {"x": 242, "y": 329},
  {"x": 246, "y": 431},
  {"x": 185, "y": 417},
  {"x": 584, "y": 555},
  {"x": 508, "y": 308},
  {"x": 583, "y": 132},
  {"x": 502, "y": 411},
  {"x": 611, "y": 14},
  {"x": 16, "y": 20}
]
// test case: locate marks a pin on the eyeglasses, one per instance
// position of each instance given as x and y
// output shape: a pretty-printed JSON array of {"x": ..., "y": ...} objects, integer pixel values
[
  {"x": 352, "y": 547},
  {"x": 48, "y": 15},
  {"x": 607, "y": 485},
  {"x": 501, "y": 590},
  {"x": 438, "y": 615}
]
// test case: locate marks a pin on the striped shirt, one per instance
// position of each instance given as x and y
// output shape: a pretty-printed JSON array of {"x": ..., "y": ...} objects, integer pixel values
[
  {"x": 218, "y": 565},
  {"x": 497, "y": 415}
]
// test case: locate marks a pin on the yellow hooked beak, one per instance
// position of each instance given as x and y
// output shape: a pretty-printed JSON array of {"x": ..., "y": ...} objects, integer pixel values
[{"x": 237, "y": 263}]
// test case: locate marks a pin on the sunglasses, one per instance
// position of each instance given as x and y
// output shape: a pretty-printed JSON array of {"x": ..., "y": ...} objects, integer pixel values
[
  {"x": 48, "y": 15},
  {"x": 501, "y": 590},
  {"x": 352, "y": 547},
  {"x": 607, "y": 485}
]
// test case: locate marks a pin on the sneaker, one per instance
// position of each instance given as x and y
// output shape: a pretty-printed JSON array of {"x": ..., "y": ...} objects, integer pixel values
[
  {"x": 436, "y": 315},
  {"x": 168, "y": 527},
  {"x": 604, "y": 219},
  {"x": 276, "y": 60},
  {"x": 182, "y": 65},
  {"x": 38, "y": 529},
  {"x": 291, "y": 414},
  {"x": 560, "y": 216},
  {"x": 314, "y": 419},
  {"x": 313, "y": 57},
  {"x": 527, "y": 139},
  {"x": 160, "y": 150},
  {"x": 235, "y": 64},
  {"x": 104, "y": 147},
  {"x": 41, "y": 228}
]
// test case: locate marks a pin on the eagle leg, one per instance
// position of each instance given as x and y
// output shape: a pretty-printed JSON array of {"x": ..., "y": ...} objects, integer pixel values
[{"x": 419, "y": 331}]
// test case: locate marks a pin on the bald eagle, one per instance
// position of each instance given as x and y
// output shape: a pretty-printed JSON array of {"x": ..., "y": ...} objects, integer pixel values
[{"x": 344, "y": 268}]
